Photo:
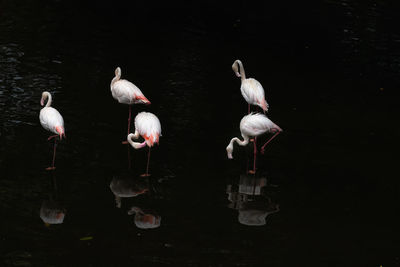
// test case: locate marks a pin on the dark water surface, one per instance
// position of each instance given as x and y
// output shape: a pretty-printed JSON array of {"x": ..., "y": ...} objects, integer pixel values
[{"x": 327, "y": 188}]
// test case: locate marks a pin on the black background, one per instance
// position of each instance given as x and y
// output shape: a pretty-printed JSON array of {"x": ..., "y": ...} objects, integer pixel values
[{"x": 330, "y": 72}]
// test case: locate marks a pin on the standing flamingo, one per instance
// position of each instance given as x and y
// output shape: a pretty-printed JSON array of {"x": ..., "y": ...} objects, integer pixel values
[
  {"x": 148, "y": 126},
  {"x": 251, "y": 89},
  {"x": 52, "y": 121},
  {"x": 253, "y": 124},
  {"x": 126, "y": 92}
]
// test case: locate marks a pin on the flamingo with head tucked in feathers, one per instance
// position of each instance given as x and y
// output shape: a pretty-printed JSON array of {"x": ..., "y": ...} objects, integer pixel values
[
  {"x": 52, "y": 121},
  {"x": 251, "y": 89},
  {"x": 148, "y": 126},
  {"x": 253, "y": 124},
  {"x": 126, "y": 92}
]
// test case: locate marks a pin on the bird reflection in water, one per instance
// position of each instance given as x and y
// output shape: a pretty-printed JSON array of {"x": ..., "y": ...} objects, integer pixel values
[
  {"x": 125, "y": 187},
  {"x": 145, "y": 219},
  {"x": 251, "y": 200},
  {"x": 51, "y": 211}
]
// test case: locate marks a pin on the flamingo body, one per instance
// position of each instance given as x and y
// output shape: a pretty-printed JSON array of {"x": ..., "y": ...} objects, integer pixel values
[
  {"x": 253, "y": 124},
  {"x": 253, "y": 92},
  {"x": 126, "y": 92},
  {"x": 148, "y": 126},
  {"x": 52, "y": 121}
]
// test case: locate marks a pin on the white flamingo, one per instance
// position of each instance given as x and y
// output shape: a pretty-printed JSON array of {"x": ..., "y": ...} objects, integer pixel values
[
  {"x": 251, "y": 89},
  {"x": 253, "y": 124},
  {"x": 148, "y": 126},
  {"x": 52, "y": 121},
  {"x": 126, "y": 92}
]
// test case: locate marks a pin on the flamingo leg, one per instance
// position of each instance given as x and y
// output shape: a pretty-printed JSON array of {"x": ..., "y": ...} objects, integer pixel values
[
  {"x": 129, "y": 119},
  {"x": 51, "y": 137},
  {"x": 129, "y": 124},
  {"x": 263, "y": 147},
  {"x": 54, "y": 157},
  {"x": 255, "y": 157},
  {"x": 147, "y": 167}
]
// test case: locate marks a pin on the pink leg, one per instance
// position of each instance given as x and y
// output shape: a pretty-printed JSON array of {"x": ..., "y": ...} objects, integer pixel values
[
  {"x": 263, "y": 147},
  {"x": 51, "y": 137},
  {"x": 129, "y": 124},
  {"x": 255, "y": 157},
  {"x": 147, "y": 168},
  {"x": 129, "y": 119},
  {"x": 54, "y": 157},
  {"x": 248, "y": 112}
]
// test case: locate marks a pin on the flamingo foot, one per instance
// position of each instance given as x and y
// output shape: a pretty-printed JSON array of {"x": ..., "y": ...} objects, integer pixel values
[
  {"x": 251, "y": 139},
  {"x": 124, "y": 142},
  {"x": 145, "y": 175},
  {"x": 50, "y": 168},
  {"x": 251, "y": 172}
]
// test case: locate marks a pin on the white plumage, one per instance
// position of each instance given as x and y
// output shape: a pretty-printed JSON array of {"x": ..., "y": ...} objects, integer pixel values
[
  {"x": 126, "y": 92},
  {"x": 253, "y": 124},
  {"x": 148, "y": 126},
  {"x": 252, "y": 91},
  {"x": 50, "y": 118}
]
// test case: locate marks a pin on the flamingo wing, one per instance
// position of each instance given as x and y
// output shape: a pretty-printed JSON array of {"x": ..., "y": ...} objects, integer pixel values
[
  {"x": 253, "y": 93},
  {"x": 255, "y": 124},
  {"x": 52, "y": 120},
  {"x": 127, "y": 93}
]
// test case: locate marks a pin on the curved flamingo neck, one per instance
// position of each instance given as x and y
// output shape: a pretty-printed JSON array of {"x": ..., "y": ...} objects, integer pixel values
[
  {"x": 117, "y": 76},
  {"x": 241, "y": 69},
  {"x": 240, "y": 142},
  {"x": 135, "y": 145},
  {"x": 49, "y": 98}
]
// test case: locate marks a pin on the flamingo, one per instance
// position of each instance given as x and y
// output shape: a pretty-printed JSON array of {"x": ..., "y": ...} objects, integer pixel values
[
  {"x": 52, "y": 121},
  {"x": 253, "y": 124},
  {"x": 126, "y": 92},
  {"x": 148, "y": 126},
  {"x": 251, "y": 89}
]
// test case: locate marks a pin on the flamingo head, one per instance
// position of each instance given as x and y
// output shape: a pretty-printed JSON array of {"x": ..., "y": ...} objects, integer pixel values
[
  {"x": 135, "y": 145},
  {"x": 44, "y": 97},
  {"x": 118, "y": 72},
  {"x": 235, "y": 68},
  {"x": 229, "y": 150}
]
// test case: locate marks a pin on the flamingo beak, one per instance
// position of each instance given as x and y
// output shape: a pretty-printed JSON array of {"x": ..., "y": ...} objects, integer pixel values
[
  {"x": 237, "y": 74},
  {"x": 42, "y": 102}
]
